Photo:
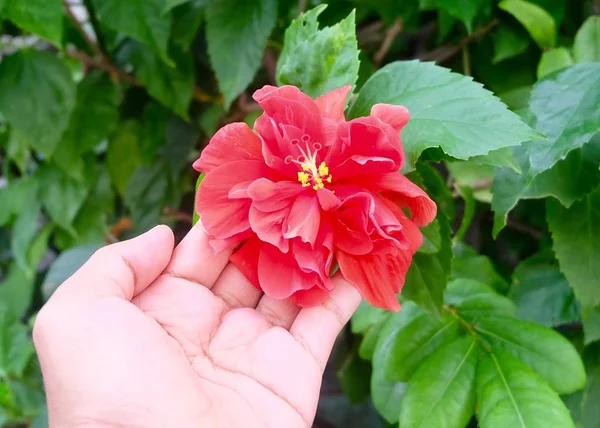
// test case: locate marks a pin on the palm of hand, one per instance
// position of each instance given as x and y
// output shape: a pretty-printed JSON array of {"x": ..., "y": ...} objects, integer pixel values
[{"x": 184, "y": 354}]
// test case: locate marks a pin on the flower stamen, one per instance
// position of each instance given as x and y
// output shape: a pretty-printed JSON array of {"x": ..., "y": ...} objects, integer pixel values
[{"x": 311, "y": 175}]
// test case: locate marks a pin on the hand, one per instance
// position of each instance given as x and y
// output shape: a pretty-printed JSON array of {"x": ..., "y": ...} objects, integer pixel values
[{"x": 147, "y": 336}]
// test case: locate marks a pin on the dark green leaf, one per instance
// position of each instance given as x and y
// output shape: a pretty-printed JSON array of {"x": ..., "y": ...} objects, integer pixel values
[
  {"x": 371, "y": 336},
  {"x": 143, "y": 20},
  {"x": 542, "y": 349},
  {"x": 542, "y": 294},
  {"x": 365, "y": 317},
  {"x": 354, "y": 375},
  {"x": 41, "y": 17},
  {"x": 37, "y": 121},
  {"x": 187, "y": 19},
  {"x": 479, "y": 268},
  {"x": 591, "y": 324},
  {"x": 16, "y": 348},
  {"x": 574, "y": 231},
  {"x": 442, "y": 391},
  {"x": 181, "y": 139},
  {"x": 509, "y": 394},
  {"x": 421, "y": 336},
  {"x": 66, "y": 265},
  {"x": 26, "y": 224},
  {"x": 319, "y": 60},
  {"x": 472, "y": 300},
  {"x": 466, "y": 193},
  {"x": 425, "y": 282},
  {"x": 16, "y": 290},
  {"x": 171, "y": 85},
  {"x": 237, "y": 34},
  {"x": 587, "y": 41},
  {"x": 553, "y": 60},
  {"x": 448, "y": 110},
  {"x": 123, "y": 155},
  {"x": 590, "y": 411},
  {"x": 508, "y": 42},
  {"x": 154, "y": 135},
  {"x": 465, "y": 10},
  {"x": 432, "y": 239},
  {"x": 93, "y": 119},
  {"x": 537, "y": 21}
]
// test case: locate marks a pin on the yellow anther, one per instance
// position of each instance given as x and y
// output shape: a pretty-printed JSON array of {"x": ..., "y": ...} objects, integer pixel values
[
  {"x": 323, "y": 169},
  {"x": 329, "y": 179},
  {"x": 316, "y": 187},
  {"x": 318, "y": 180},
  {"x": 303, "y": 177},
  {"x": 321, "y": 185},
  {"x": 305, "y": 168}
]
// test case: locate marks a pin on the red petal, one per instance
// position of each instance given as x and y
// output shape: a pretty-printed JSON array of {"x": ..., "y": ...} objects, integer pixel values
[
  {"x": 269, "y": 226},
  {"x": 328, "y": 200},
  {"x": 279, "y": 275},
  {"x": 311, "y": 297},
  {"x": 233, "y": 142},
  {"x": 332, "y": 103},
  {"x": 405, "y": 193},
  {"x": 378, "y": 278},
  {"x": 395, "y": 116},
  {"x": 269, "y": 196},
  {"x": 246, "y": 259},
  {"x": 304, "y": 219},
  {"x": 223, "y": 217}
]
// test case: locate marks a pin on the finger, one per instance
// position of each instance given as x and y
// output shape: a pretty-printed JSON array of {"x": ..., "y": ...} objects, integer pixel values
[
  {"x": 195, "y": 260},
  {"x": 280, "y": 313},
  {"x": 317, "y": 327},
  {"x": 235, "y": 290},
  {"x": 121, "y": 270}
]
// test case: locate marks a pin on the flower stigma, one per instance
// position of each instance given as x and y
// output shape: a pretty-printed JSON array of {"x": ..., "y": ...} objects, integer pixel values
[{"x": 311, "y": 174}]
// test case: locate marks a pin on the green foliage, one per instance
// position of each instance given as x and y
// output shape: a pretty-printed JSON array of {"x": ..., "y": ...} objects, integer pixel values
[{"x": 536, "y": 20}]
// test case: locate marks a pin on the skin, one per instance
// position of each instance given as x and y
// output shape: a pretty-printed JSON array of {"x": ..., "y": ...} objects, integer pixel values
[{"x": 145, "y": 335}]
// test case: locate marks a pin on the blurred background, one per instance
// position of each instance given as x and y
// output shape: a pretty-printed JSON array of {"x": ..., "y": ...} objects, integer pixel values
[{"x": 105, "y": 104}]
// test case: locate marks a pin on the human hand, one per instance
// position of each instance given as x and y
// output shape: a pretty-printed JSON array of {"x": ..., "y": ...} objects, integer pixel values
[{"x": 147, "y": 336}]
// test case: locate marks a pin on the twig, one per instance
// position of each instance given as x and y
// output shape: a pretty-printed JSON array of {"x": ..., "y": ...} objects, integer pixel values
[
  {"x": 110, "y": 68},
  {"x": 526, "y": 230},
  {"x": 270, "y": 63},
  {"x": 88, "y": 40},
  {"x": 301, "y": 6},
  {"x": 443, "y": 53},
  {"x": 466, "y": 57},
  {"x": 390, "y": 36}
]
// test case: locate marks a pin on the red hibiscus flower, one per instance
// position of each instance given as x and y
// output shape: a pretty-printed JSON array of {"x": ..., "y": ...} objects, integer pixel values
[{"x": 306, "y": 190}]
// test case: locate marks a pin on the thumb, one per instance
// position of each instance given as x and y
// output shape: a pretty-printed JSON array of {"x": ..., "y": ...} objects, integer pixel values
[{"x": 122, "y": 270}]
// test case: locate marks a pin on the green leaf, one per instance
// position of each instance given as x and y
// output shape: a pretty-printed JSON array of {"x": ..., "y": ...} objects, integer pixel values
[
  {"x": 93, "y": 119},
  {"x": 196, "y": 216},
  {"x": 65, "y": 265},
  {"x": 26, "y": 224},
  {"x": 123, "y": 155},
  {"x": 61, "y": 196},
  {"x": 447, "y": 110},
  {"x": 542, "y": 294},
  {"x": 591, "y": 324},
  {"x": 568, "y": 180},
  {"x": 354, "y": 375},
  {"x": 142, "y": 20},
  {"x": 542, "y": 349},
  {"x": 565, "y": 109},
  {"x": 432, "y": 239},
  {"x": 173, "y": 86},
  {"x": 181, "y": 138},
  {"x": 319, "y": 60},
  {"x": 553, "y": 60},
  {"x": 237, "y": 34},
  {"x": 41, "y": 17},
  {"x": 537, "y": 21},
  {"x": 429, "y": 178},
  {"x": 188, "y": 17},
  {"x": 509, "y": 394},
  {"x": 508, "y": 42},
  {"x": 421, "y": 336},
  {"x": 371, "y": 336},
  {"x": 475, "y": 176},
  {"x": 425, "y": 282},
  {"x": 590, "y": 411},
  {"x": 587, "y": 41},
  {"x": 170, "y": 4},
  {"x": 39, "y": 121},
  {"x": 465, "y": 10},
  {"x": 442, "y": 391},
  {"x": 16, "y": 348},
  {"x": 466, "y": 193},
  {"x": 479, "y": 268},
  {"x": 365, "y": 317},
  {"x": 474, "y": 300},
  {"x": 16, "y": 290}
]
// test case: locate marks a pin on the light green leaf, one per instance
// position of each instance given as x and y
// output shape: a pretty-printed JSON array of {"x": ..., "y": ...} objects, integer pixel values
[
  {"x": 371, "y": 336},
  {"x": 425, "y": 282},
  {"x": 41, "y": 17},
  {"x": 67, "y": 263},
  {"x": 442, "y": 391},
  {"x": 568, "y": 180},
  {"x": 542, "y": 349},
  {"x": 475, "y": 176},
  {"x": 142, "y": 20},
  {"x": 237, "y": 34},
  {"x": 537, "y": 21},
  {"x": 509, "y": 394},
  {"x": 16, "y": 348},
  {"x": 432, "y": 239},
  {"x": 38, "y": 121},
  {"x": 123, "y": 155},
  {"x": 26, "y": 224},
  {"x": 365, "y": 317},
  {"x": 319, "y": 60},
  {"x": 587, "y": 41},
  {"x": 472, "y": 300},
  {"x": 196, "y": 216},
  {"x": 172, "y": 85},
  {"x": 553, "y": 60},
  {"x": 565, "y": 109},
  {"x": 421, "y": 336},
  {"x": 465, "y": 10},
  {"x": 508, "y": 42},
  {"x": 591, "y": 324},
  {"x": 16, "y": 290},
  {"x": 574, "y": 232},
  {"x": 447, "y": 110},
  {"x": 542, "y": 294}
]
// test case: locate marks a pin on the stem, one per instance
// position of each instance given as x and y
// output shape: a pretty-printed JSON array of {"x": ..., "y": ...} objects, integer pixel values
[
  {"x": 466, "y": 58},
  {"x": 103, "y": 65},
  {"x": 388, "y": 40},
  {"x": 78, "y": 25}
]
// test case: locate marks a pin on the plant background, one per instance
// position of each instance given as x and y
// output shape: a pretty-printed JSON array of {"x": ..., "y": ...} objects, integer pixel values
[{"x": 104, "y": 105}]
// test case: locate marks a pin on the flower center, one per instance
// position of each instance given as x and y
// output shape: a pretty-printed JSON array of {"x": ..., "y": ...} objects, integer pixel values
[{"x": 311, "y": 174}]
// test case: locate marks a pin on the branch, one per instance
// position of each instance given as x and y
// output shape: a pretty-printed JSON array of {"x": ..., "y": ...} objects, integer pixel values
[
  {"x": 301, "y": 6},
  {"x": 444, "y": 53},
  {"x": 390, "y": 36},
  {"x": 110, "y": 68},
  {"x": 88, "y": 40}
]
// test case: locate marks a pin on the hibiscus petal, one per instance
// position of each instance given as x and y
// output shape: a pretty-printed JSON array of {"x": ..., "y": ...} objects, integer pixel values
[
  {"x": 333, "y": 103},
  {"x": 395, "y": 116},
  {"x": 233, "y": 142},
  {"x": 246, "y": 259},
  {"x": 304, "y": 219},
  {"x": 269, "y": 226},
  {"x": 279, "y": 275},
  {"x": 222, "y": 216},
  {"x": 405, "y": 193},
  {"x": 311, "y": 297},
  {"x": 328, "y": 200},
  {"x": 317, "y": 258},
  {"x": 378, "y": 278},
  {"x": 269, "y": 196}
]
